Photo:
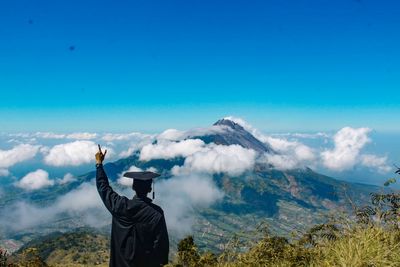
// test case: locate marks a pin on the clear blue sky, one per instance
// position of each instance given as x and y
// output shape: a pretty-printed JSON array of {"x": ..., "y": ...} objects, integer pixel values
[{"x": 150, "y": 65}]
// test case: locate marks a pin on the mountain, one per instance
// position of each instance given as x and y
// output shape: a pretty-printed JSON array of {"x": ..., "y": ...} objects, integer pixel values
[
  {"x": 285, "y": 200},
  {"x": 236, "y": 135}
]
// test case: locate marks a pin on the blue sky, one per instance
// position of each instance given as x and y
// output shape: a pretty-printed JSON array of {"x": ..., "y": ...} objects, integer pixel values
[{"x": 151, "y": 65}]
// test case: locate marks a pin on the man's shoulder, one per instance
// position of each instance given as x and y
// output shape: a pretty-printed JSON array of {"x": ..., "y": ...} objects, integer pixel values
[
  {"x": 157, "y": 209},
  {"x": 147, "y": 203}
]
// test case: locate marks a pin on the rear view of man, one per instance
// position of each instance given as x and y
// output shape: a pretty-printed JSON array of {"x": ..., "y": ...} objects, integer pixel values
[{"x": 139, "y": 234}]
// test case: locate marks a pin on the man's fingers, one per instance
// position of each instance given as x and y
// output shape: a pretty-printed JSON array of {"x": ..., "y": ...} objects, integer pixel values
[
  {"x": 105, "y": 152},
  {"x": 100, "y": 149}
]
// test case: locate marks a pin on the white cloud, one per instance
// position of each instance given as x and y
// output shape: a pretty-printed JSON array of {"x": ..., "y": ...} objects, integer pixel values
[
  {"x": 169, "y": 150},
  {"x": 20, "y": 135},
  {"x": 282, "y": 162},
  {"x": 129, "y": 151},
  {"x": 172, "y": 135},
  {"x": 4, "y": 172},
  {"x": 300, "y": 151},
  {"x": 151, "y": 169},
  {"x": 22, "y": 215},
  {"x": 134, "y": 146},
  {"x": 128, "y": 143},
  {"x": 311, "y": 135},
  {"x": 346, "y": 153},
  {"x": 181, "y": 197},
  {"x": 80, "y": 199},
  {"x": 282, "y": 145},
  {"x": 109, "y": 137},
  {"x": 83, "y": 135},
  {"x": 17, "y": 154},
  {"x": 233, "y": 160},
  {"x": 290, "y": 154},
  {"x": 74, "y": 153},
  {"x": 293, "y": 154},
  {"x": 51, "y": 135},
  {"x": 35, "y": 180},
  {"x": 348, "y": 144},
  {"x": 127, "y": 181},
  {"x": 200, "y": 158},
  {"x": 317, "y": 135},
  {"x": 68, "y": 178},
  {"x": 375, "y": 162}
]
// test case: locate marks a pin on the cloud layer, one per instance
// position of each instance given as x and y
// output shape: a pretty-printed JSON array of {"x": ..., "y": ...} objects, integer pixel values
[
  {"x": 233, "y": 160},
  {"x": 346, "y": 154},
  {"x": 17, "y": 154},
  {"x": 128, "y": 182},
  {"x": 182, "y": 196},
  {"x": 82, "y": 204},
  {"x": 73, "y": 153},
  {"x": 290, "y": 154},
  {"x": 348, "y": 143},
  {"x": 35, "y": 180},
  {"x": 78, "y": 135},
  {"x": 170, "y": 150}
]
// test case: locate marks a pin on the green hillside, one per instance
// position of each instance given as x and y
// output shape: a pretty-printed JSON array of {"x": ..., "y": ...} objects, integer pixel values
[{"x": 83, "y": 247}]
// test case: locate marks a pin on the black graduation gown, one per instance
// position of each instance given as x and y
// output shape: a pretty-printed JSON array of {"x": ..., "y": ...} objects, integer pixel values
[{"x": 139, "y": 234}]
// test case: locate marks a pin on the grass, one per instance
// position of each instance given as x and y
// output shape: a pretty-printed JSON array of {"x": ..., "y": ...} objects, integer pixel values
[{"x": 357, "y": 247}]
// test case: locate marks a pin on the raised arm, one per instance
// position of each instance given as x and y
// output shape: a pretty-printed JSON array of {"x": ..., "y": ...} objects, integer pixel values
[{"x": 114, "y": 203}]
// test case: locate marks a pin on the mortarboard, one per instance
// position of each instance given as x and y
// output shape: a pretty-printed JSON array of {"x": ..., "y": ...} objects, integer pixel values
[{"x": 142, "y": 176}]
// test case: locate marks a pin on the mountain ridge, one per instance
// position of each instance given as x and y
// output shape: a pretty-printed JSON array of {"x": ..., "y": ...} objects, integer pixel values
[{"x": 236, "y": 135}]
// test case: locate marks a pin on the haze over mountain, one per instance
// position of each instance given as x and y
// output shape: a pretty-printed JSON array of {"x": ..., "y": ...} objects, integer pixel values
[{"x": 215, "y": 181}]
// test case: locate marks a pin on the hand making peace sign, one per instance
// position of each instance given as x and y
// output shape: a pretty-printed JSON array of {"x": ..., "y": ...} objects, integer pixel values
[{"x": 100, "y": 156}]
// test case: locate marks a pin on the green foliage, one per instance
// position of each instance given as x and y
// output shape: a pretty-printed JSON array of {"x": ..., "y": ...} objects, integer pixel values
[
  {"x": 373, "y": 239},
  {"x": 384, "y": 209},
  {"x": 3, "y": 258},
  {"x": 187, "y": 252},
  {"x": 30, "y": 258},
  {"x": 390, "y": 181},
  {"x": 84, "y": 247},
  {"x": 319, "y": 232}
]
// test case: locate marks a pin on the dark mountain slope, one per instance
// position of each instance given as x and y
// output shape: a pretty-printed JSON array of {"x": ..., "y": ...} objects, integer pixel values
[{"x": 235, "y": 135}]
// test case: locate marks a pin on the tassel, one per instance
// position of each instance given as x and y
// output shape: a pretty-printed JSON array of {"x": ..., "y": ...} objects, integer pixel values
[{"x": 153, "y": 191}]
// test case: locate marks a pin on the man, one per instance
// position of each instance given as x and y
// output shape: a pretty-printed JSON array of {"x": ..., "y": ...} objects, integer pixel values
[{"x": 139, "y": 234}]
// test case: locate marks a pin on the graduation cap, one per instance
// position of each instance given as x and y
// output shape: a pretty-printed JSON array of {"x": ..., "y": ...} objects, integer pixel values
[{"x": 142, "y": 176}]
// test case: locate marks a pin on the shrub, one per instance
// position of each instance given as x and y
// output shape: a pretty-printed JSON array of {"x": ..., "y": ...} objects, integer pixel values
[{"x": 3, "y": 257}]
